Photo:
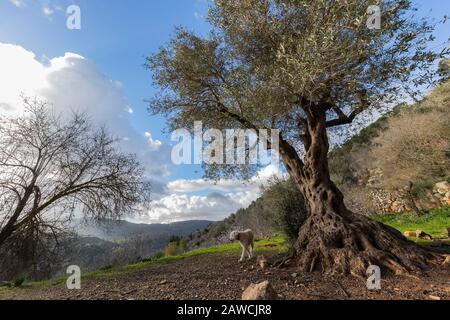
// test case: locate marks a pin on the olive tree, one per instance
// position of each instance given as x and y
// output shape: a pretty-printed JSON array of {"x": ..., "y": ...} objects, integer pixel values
[{"x": 305, "y": 68}]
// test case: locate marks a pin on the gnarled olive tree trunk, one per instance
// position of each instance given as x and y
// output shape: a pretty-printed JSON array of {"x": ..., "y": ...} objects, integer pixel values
[{"x": 333, "y": 239}]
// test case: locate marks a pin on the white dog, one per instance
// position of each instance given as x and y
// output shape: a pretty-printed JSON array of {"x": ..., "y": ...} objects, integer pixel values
[{"x": 245, "y": 238}]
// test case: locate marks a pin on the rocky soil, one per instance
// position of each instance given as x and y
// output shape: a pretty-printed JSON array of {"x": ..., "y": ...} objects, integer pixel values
[{"x": 222, "y": 277}]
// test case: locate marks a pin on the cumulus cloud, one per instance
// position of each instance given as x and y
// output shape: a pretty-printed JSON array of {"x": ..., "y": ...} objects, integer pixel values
[
  {"x": 180, "y": 207},
  {"x": 226, "y": 185},
  {"x": 224, "y": 197},
  {"x": 153, "y": 144},
  {"x": 48, "y": 11},
  {"x": 74, "y": 83},
  {"x": 18, "y": 3},
  {"x": 129, "y": 110}
]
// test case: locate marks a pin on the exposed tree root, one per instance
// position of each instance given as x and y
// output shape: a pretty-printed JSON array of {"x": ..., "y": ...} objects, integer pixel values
[{"x": 349, "y": 243}]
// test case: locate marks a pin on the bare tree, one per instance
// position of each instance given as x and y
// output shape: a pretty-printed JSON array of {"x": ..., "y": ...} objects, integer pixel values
[{"x": 51, "y": 168}]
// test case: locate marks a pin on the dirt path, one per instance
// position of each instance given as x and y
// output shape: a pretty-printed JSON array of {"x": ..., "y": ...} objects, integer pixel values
[{"x": 221, "y": 277}]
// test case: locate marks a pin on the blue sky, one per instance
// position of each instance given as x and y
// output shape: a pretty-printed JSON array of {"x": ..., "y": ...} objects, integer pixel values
[
  {"x": 116, "y": 35},
  {"x": 114, "y": 39}
]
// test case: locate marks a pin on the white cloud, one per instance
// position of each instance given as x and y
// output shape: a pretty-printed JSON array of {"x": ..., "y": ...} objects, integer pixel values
[
  {"x": 48, "y": 11},
  {"x": 175, "y": 207},
  {"x": 225, "y": 185},
  {"x": 129, "y": 110},
  {"x": 227, "y": 197},
  {"x": 72, "y": 82},
  {"x": 18, "y": 3},
  {"x": 153, "y": 144}
]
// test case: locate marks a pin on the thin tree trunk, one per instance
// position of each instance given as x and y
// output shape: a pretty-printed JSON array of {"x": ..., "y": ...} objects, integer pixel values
[{"x": 333, "y": 239}]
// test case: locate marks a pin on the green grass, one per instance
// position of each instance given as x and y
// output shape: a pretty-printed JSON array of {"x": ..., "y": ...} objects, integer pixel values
[
  {"x": 435, "y": 222},
  {"x": 275, "y": 244}
]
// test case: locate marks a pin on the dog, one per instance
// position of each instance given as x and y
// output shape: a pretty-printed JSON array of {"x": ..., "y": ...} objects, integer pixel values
[{"x": 245, "y": 238}]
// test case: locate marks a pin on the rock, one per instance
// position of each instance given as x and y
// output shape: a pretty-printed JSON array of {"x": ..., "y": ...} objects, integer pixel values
[
  {"x": 163, "y": 282},
  {"x": 294, "y": 275},
  {"x": 423, "y": 235},
  {"x": 409, "y": 234},
  {"x": 446, "y": 263},
  {"x": 446, "y": 199},
  {"x": 442, "y": 188},
  {"x": 260, "y": 291},
  {"x": 434, "y": 297},
  {"x": 262, "y": 261},
  {"x": 398, "y": 206},
  {"x": 390, "y": 201}
]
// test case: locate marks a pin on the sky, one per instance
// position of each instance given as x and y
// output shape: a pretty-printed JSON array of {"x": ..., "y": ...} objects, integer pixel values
[{"x": 99, "y": 69}]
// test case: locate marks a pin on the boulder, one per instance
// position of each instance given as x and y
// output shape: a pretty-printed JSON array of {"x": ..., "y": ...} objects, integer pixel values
[
  {"x": 409, "y": 234},
  {"x": 446, "y": 199},
  {"x": 260, "y": 291},
  {"x": 423, "y": 235},
  {"x": 262, "y": 261},
  {"x": 442, "y": 188}
]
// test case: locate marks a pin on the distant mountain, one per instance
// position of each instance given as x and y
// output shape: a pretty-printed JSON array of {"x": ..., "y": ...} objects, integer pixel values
[
  {"x": 118, "y": 242},
  {"x": 155, "y": 236},
  {"x": 111, "y": 230}
]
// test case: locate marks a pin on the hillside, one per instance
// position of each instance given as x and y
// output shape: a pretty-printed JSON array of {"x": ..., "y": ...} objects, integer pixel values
[
  {"x": 391, "y": 166},
  {"x": 394, "y": 164},
  {"x": 258, "y": 217}
]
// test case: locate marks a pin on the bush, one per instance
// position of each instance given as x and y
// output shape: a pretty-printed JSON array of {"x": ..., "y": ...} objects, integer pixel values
[
  {"x": 18, "y": 282},
  {"x": 106, "y": 268},
  {"x": 288, "y": 206},
  {"x": 172, "y": 249}
]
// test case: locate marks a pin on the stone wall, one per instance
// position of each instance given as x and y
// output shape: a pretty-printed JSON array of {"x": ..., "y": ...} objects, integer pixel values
[{"x": 441, "y": 191}]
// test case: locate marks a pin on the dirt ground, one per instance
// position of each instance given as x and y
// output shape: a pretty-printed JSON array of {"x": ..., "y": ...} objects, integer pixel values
[{"x": 221, "y": 277}]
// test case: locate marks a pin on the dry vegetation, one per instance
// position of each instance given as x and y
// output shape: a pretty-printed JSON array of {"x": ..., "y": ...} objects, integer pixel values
[
  {"x": 409, "y": 147},
  {"x": 416, "y": 145}
]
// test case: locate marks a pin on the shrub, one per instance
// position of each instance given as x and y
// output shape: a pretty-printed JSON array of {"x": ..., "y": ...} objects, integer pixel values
[
  {"x": 288, "y": 206},
  {"x": 18, "y": 282},
  {"x": 106, "y": 268},
  {"x": 172, "y": 249}
]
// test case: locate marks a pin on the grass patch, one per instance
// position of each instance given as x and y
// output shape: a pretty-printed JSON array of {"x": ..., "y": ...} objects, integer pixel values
[{"x": 435, "y": 222}]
